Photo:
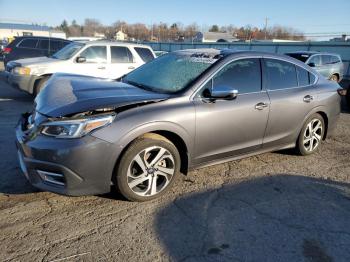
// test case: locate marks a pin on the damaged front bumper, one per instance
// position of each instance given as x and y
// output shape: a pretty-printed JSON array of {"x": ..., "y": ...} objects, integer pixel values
[{"x": 79, "y": 166}]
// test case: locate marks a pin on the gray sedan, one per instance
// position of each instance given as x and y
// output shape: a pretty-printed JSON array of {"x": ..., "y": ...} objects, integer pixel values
[{"x": 184, "y": 110}]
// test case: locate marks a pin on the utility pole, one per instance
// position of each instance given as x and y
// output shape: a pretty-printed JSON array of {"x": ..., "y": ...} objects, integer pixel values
[{"x": 266, "y": 19}]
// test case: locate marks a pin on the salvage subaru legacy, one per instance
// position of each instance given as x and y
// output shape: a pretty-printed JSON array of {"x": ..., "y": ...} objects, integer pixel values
[{"x": 184, "y": 110}]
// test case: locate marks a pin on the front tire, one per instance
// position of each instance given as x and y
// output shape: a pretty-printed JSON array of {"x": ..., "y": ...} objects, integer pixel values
[
  {"x": 148, "y": 168},
  {"x": 311, "y": 135}
]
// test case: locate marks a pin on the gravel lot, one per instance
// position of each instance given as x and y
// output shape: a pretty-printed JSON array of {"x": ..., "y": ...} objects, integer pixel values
[{"x": 271, "y": 207}]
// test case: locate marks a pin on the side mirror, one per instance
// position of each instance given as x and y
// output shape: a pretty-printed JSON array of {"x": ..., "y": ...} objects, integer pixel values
[
  {"x": 311, "y": 64},
  {"x": 221, "y": 92},
  {"x": 80, "y": 59}
]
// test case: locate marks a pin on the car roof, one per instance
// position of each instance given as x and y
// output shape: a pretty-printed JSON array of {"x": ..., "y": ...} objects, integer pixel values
[
  {"x": 114, "y": 43},
  {"x": 311, "y": 53},
  {"x": 228, "y": 52},
  {"x": 41, "y": 37}
]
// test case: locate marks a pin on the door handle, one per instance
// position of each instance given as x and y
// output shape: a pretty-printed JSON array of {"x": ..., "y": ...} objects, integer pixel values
[
  {"x": 131, "y": 67},
  {"x": 261, "y": 106},
  {"x": 101, "y": 67},
  {"x": 308, "y": 98}
]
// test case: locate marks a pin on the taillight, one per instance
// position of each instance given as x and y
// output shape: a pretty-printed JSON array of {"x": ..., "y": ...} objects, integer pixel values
[
  {"x": 7, "y": 50},
  {"x": 342, "y": 91}
]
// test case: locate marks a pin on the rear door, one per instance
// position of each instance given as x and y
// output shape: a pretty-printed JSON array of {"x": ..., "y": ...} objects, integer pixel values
[
  {"x": 122, "y": 61},
  {"x": 292, "y": 97},
  {"x": 27, "y": 48},
  {"x": 226, "y": 128}
]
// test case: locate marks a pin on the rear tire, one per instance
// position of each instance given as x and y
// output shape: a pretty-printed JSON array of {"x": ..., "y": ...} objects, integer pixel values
[
  {"x": 148, "y": 168},
  {"x": 40, "y": 85},
  {"x": 311, "y": 135},
  {"x": 334, "y": 78}
]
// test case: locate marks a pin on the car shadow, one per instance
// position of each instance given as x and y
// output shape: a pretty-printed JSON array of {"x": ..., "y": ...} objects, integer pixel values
[{"x": 274, "y": 218}]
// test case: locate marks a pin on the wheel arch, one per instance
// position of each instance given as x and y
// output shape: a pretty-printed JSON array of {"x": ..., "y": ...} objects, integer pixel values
[
  {"x": 180, "y": 143},
  {"x": 36, "y": 82}
]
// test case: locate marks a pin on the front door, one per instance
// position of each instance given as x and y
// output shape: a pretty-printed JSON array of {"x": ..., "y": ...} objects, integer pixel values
[
  {"x": 95, "y": 62},
  {"x": 226, "y": 128}
]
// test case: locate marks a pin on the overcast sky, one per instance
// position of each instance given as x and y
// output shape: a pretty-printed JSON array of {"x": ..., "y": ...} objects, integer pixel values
[{"x": 321, "y": 16}]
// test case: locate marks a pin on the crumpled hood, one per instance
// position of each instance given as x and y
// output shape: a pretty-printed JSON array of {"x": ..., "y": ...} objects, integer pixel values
[
  {"x": 69, "y": 94},
  {"x": 36, "y": 61}
]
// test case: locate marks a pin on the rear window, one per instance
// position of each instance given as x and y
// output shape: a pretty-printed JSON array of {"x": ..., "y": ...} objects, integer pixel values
[
  {"x": 28, "y": 43},
  {"x": 280, "y": 74},
  {"x": 121, "y": 54},
  {"x": 300, "y": 57},
  {"x": 144, "y": 53},
  {"x": 304, "y": 77},
  {"x": 334, "y": 59}
]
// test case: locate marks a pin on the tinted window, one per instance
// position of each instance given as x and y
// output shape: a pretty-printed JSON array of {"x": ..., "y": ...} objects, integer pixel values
[
  {"x": 144, "y": 53},
  {"x": 121, "y": 54},
  {"x": 44, "y": 44},
  {"x": 316, "y": 60},
  {"x": 280, "y": 74},
  {"x": 95, "y": 54},
  {"x": 243, "y": 75},
  {"x": 28, "y": 43},
  {"x": 303, "y": 76},
  {"x": 55, "y": 45}
]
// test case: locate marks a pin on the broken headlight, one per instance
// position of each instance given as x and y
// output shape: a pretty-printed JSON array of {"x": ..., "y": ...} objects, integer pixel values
[{"x": 76, "y": 127}]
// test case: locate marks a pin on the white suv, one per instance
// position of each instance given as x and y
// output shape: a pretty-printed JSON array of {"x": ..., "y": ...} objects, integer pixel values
[{"x": 104, "y": 59}]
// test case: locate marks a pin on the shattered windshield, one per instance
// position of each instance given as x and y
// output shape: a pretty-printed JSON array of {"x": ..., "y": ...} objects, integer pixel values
[
  {"x": 170, "y": 73},
  {"x": 68, "y": 51}
]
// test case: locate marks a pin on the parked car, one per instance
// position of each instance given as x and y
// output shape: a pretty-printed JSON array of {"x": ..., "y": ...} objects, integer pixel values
[
  {"x": 32, "y": 46},
  {"x": 160, "y": 53},
  {"x": 104, "y": 59},
  {"x": 183, "y": 110},
  {"x": 327, "y": 64}
]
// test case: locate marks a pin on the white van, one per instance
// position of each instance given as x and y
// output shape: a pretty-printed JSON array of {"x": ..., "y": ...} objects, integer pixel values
[{"x": 104, "y": 59}]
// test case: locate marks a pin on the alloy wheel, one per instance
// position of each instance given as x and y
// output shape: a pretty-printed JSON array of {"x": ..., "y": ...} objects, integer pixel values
[
  {"x": 313, "y": 135},
  {"x": 150, "y": 171}
]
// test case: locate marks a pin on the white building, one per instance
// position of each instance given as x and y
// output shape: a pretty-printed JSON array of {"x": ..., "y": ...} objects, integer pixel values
[
  {"x": 121, "y": 36},
  {"x": 8, "y": 31}
]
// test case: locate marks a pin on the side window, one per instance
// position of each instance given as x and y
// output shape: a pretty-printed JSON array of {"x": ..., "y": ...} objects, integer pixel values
[
  {"x": 95, "y": 54},
  {"x": 334, "y": 59},
  {"x": 312, "y": 78},
  {"x": 243, "y": 75},
  {"x": 44, "y": 44},
  {"x": 326, "y": 59},
  {"x": 280, "y": 74},
  {"x": 55, "y": 45},
  {"x": 316, "y": 60},
  {"x": 121, "y": 54},
  {"x": 28, "y": 43},
  {"x": 303, "y": 76},
  {"x": 145, "y": 54}
]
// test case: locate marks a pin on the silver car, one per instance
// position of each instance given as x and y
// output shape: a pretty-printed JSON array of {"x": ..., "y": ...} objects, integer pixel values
[
  {"x": 327, "y": 64},
  {"x": 183, "y": 110}
]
